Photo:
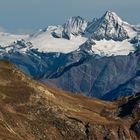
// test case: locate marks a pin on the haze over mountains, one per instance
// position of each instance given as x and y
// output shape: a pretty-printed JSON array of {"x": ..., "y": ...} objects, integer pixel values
[{"x": 98, "y": 58}]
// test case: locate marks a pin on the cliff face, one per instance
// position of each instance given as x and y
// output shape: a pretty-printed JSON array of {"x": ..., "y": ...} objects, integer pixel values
[{"x": 30, "y": 110}]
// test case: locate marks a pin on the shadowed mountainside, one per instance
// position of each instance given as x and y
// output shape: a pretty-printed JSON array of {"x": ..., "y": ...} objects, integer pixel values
[{"x": 32, "y": 111}]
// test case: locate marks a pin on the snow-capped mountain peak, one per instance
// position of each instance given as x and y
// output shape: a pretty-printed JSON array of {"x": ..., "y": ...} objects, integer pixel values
[
  {"x": 111, "y": 27},
  {"x": 75, "y": 26},
  {"x": 112, "y": 16}
]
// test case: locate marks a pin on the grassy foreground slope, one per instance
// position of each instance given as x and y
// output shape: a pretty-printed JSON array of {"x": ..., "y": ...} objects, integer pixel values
[{"x": 30, "y": 110}]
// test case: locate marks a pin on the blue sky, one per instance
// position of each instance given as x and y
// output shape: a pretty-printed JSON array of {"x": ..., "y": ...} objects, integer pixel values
[{"x": 24, "y": 15}]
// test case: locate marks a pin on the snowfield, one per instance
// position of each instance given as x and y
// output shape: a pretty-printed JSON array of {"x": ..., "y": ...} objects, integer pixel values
[
  {"x": 45, "y": 42},
  {"x": 6, "y": 38},
  {"x": 109, "y": 48}
]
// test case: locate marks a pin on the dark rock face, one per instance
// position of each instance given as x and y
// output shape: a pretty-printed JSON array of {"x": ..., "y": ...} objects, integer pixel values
[
  {"x": 136, "y": 128},
  {"x": 107, "y": 78}
]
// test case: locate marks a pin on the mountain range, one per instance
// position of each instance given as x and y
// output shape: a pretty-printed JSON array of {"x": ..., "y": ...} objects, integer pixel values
[{"x": 98, "y": 58}]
